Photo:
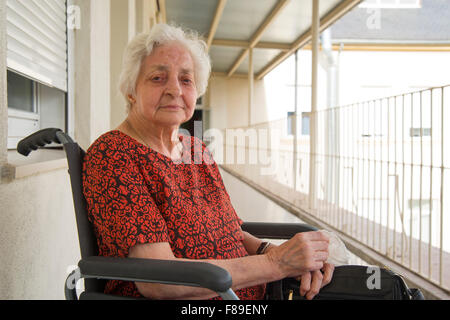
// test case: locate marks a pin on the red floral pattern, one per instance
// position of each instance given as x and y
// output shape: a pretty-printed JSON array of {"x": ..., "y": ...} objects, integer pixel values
[{"x": 136, "y": 195}]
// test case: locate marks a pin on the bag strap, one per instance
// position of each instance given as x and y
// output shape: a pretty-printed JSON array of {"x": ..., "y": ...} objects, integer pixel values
[
  {"x": 416, "y": 294},
  {"x": 410, "y": 293},
  {"x": 403, "y": 286}
]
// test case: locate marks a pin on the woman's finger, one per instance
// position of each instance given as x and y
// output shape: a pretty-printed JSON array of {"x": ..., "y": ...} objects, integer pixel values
[
  {"x": 305, "y": 283},
  {"x": 315, "y": 236},
  {"x": 328, "y": 270},
  {"x": 316, "y": 284},
  {"x": 321, "y": 256},
  {"x": 319, "y": 245}
]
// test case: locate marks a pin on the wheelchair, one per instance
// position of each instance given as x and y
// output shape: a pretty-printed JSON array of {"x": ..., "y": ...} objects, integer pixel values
[{"x": 95, "y": 270}]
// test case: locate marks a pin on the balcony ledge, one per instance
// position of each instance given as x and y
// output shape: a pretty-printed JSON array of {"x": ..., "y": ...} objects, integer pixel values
[{"x": 40, "y": 161}]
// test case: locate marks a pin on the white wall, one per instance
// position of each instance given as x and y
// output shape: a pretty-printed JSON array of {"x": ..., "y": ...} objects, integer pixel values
[
  {"x": 128, "y": 17},
  {"x": 363, "y": 76},
  {"x": 218, "y": 102},
  {"x": 92, "y": 71},
  {"x": 38, "y": 236},
  {"x": 228, "y": 102},
  {"x": 3, "y": 90},
  {"x": 371, "y": 75},
  {"x": 100, "y": 68},
  {"x": 120, "y": 17}
]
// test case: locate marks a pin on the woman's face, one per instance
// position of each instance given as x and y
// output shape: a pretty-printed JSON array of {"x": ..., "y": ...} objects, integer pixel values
[{"x": 165, "y": 91}]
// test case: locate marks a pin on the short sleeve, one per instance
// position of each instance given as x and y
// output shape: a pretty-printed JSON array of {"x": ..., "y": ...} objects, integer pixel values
[{"x": 119, "y": 205}]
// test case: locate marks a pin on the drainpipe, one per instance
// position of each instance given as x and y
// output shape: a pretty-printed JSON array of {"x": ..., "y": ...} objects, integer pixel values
[
  {"x": 251, "y": 77},
  {"x": 313, "y": 115},
  {"x": 329, "y": 62}
]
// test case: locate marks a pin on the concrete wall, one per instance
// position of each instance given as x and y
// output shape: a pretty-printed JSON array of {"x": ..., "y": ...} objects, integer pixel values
[
  {"x": 38, "y": 236},
  {"x": 120, "y": 16},
  {"x": 135, "y": 16},
  {"x": 228, "y": 102},
  {"x": 3, "y": 89},
  {"x": 92, "y": 71}
]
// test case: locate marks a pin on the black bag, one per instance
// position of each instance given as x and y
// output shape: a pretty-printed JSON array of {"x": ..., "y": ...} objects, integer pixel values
[{"x": 351, "y": 283}]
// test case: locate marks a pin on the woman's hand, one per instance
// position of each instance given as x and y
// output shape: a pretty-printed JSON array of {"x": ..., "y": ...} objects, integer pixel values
[
  {"x": 305, "y": 252},
  {"x": 312, "y": 282}
]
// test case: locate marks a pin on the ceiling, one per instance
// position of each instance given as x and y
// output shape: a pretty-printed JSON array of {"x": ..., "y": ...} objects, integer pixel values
[{"x": 274, "y": 29}]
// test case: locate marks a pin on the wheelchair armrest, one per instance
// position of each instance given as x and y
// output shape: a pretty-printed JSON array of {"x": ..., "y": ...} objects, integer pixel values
[
  {"x": 270, "y": 230},
  {"x": 195, "y": 274}
]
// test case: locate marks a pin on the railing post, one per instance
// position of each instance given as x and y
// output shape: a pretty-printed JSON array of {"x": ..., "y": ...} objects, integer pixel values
[
  {"x": 251, "y": 77},
  {"x": 313, "y": 115},
  {"x": 294, "y": 125}
]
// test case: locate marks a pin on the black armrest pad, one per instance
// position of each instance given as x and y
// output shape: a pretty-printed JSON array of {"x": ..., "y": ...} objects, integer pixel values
[
  {"x": 270, "y": 230},
  {"x": 197, "y": 274}
]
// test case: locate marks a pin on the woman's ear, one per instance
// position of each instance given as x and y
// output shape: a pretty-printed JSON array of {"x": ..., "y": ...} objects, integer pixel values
[{"x": 131, "y": 99}]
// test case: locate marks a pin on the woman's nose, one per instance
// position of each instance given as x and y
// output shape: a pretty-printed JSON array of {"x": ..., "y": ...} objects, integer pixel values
[{"x": 173, "y": 87}]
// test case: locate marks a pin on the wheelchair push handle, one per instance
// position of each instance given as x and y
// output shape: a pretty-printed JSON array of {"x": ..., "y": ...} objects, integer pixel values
[{"x": 42, "y": 138}]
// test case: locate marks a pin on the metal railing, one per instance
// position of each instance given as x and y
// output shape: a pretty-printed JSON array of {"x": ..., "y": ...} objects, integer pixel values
[{"x": 382, "y": 174}]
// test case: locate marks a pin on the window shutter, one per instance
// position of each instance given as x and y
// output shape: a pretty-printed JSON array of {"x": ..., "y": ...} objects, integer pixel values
[{"x": 37, "y": 40}]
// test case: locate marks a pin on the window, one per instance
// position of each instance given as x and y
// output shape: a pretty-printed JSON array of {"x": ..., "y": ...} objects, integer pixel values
[
  {"x": 420, "y": 132},
  {"x": 32, "y": 106},
  {"x": 290, "y": 123},
  {"x": 37, "y": 66},
  {"x": 305, "y": 123},
  {"x": 21, "y": 92}
]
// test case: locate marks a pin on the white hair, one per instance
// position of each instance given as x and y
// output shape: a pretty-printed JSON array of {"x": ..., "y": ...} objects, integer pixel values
[{"x": 142, "y": 45}]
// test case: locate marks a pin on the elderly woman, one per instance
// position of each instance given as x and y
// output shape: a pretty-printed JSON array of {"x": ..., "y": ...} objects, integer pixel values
[{"x": 146, "y": 203}]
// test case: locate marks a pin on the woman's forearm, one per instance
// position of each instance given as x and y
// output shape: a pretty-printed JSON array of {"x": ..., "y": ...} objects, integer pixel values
[
  {"x": 303, "y": 253},
  {"x": 245, "y": 272}
]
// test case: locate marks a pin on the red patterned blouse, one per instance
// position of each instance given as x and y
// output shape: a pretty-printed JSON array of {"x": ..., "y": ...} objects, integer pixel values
[{"x": 136, "y": 195}]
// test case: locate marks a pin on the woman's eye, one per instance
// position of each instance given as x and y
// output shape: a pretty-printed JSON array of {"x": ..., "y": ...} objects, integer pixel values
[{"x": 157, "y": 78}]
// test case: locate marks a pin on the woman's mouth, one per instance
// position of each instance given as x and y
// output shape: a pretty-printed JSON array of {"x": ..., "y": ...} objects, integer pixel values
[{"x": 171, "y": 107}]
